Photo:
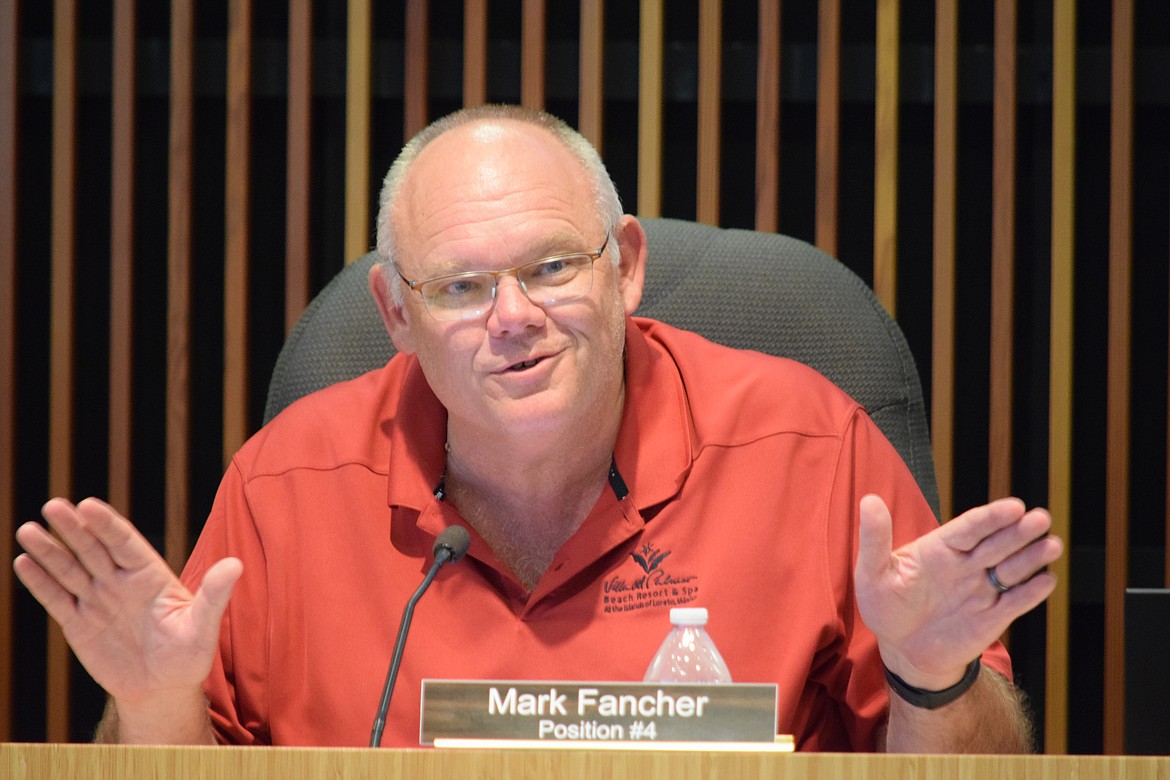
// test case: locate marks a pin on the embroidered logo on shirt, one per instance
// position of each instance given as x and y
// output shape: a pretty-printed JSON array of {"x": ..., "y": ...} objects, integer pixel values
[
  {"x": 649, "y": 558},
  {"x": 653, "y": 587}
]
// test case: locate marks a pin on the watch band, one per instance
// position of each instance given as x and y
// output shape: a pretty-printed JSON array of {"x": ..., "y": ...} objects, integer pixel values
[{"x": 932, "y": 700}]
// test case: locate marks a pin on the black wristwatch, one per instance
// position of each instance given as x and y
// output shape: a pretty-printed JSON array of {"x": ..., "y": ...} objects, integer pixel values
[{"x": 932, "y": 700}]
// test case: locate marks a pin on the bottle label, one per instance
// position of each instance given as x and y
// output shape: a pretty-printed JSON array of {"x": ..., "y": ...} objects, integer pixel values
[{"x": 597, "y": 712}]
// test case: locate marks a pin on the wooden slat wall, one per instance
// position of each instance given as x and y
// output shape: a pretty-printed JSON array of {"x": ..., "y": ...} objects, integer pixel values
[
  {"x": 650, "y": 43},
  {"x": 1117, "y": 420},
  {"x": 475, "y": 59},
  {"x": 828, "y": 123},
  {"x": 534, "y": 91},
  {"x": 768, "y": 119},
  {"x": 1061, "y": 360},
  {"x": 180, "y": 182},
  {"x": 416, "y": 113},
  {"x": 1003, "y": 252},
  {"x": 710, "y": 95},
  {"x": 357, "y": 128},
  {"x": 946, "y": 131},
  {"x": 237, "y": 227},
  {"x": 9, "y": 179},
  {"x": 532, "y": 54},
  {"x": 591, "y": 107},
  {"x": 122, "y": 256},
  {"x": 885, "y": 187},
  {"x": 298, "y": 169},
  {"x": 61, "y": 348}
]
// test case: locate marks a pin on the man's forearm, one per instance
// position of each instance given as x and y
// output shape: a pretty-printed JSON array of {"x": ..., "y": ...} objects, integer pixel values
[
  {"x": 179, "y": 722},
  {"x": 989, "y": 718}
]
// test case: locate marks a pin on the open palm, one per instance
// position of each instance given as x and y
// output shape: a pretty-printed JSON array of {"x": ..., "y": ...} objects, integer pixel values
[
  {"x": 930, "y": 602},
  {"x": 133, "y": 625}
]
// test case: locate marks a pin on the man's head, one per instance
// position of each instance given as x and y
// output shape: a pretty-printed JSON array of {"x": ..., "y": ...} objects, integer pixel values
[
  {"x": 607, "y": 203},
  {"x": 488, "y": 190}
]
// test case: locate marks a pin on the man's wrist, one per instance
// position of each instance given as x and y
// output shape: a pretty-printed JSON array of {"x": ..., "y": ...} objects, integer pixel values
[
  {"x": 178, "y": 718},
  {"x": 932, "y": 700}
]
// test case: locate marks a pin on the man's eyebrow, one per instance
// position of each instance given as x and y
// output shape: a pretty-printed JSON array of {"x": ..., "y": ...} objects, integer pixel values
[{"x": 556, "y": 243}]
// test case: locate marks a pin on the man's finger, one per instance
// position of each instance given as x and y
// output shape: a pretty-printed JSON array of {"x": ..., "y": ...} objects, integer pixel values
[
  {"x": 57, "y": 601},
  {"x": 66, "y": 520},
  {"x": 213, "y": 595},
  {"x": 876, "y": 536},
  {"x": 1025, "y": 597},
  {"x": 966, "y": 531},
  {"x": 1012, "y": 539},
  {"x": 128, "y": 549},
  {"x": 1024, "y": 564},
  {"x": 54, "y": 559}
]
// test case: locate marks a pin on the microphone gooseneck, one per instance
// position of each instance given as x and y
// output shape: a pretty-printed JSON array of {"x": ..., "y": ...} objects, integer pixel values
[{"x": 450, "y": 546}]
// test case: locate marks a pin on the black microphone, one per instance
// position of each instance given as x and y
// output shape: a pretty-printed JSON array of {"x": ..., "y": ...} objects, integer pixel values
[{"x": 450, "y": 546}]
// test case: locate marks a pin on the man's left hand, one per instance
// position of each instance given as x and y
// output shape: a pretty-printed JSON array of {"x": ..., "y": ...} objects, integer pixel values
[{"x": 932, "y": 603}]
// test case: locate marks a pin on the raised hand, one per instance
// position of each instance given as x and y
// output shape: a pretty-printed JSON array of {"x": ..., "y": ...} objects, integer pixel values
[
  {"x": 138, "y": 631},
  {"x": 933, "y": 603}
]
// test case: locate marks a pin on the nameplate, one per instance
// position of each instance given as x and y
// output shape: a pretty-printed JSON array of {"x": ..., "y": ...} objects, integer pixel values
[{"x": 597, "y": 712}]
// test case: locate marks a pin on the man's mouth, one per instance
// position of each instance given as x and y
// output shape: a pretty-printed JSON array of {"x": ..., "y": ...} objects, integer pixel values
[{"x": 523, "y": 365}]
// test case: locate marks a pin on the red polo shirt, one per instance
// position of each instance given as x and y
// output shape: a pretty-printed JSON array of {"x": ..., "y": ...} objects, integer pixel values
[{"x": 742, "y": 475}]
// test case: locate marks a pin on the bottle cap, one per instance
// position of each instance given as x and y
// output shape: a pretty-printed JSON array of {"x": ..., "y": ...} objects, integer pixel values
[{"x": 688, "y": 616}]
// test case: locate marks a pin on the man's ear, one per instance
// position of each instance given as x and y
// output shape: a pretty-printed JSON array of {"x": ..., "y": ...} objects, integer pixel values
[
  {"x": 394, "y": 317},
  {"x": 632, "y": 266}
]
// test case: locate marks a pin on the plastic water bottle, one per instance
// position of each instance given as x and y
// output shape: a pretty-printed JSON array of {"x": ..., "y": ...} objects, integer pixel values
[{"x": 688, "y": 655}]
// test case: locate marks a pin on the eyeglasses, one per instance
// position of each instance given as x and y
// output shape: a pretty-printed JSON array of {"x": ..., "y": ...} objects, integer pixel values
[{"x": 546, "y": 282}]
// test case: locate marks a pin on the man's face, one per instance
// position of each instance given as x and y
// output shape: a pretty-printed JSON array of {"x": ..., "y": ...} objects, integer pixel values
[{"x": 491, "y": 196}]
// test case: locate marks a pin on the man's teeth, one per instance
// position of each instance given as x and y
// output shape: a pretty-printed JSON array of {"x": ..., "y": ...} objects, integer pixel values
[{"x": 524, "y": 365}]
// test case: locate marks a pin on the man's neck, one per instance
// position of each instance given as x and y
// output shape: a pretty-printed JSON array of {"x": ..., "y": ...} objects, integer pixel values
[{"x": 527, "y": 495}]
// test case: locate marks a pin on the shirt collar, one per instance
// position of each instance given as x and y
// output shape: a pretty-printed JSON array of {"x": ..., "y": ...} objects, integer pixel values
[{"x": 418, "y": 435}]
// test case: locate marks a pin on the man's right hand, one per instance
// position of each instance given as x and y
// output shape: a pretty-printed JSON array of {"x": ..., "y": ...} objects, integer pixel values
[{"x": 137, "y": 630}]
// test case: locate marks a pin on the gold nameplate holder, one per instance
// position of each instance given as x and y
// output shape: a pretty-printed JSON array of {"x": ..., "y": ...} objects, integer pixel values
[{"x": 463, "y": 713}]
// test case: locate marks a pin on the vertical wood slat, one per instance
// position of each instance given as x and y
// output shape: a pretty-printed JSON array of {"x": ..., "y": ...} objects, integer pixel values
[
  {"x": 946, "y": 108},
  {"x": 298, "y": 161},
  {"x": 180, "y": 196},
  {"x": 532, "y": 53},
  {"x": 1117, "y": 439},
  {"x": 1061, "y": 359},
  {"x": 1003, "y": 252},
  {"x": 61, "y": 339},
  {"x": 885, "y": 196},
  {"x": 9, "y": 177},
  {"x": 590, "y": 110},
  {"x": 650, "y": 37},
  {"x": 416, "y": 69},
  {"x": 237, "y": 227},
  {"x": 710, "y": 96},
  {"x": 768, "y": 119},
  {"x": 828, "y": 123},
  {"x": 357, "y": 128},
  {"x": 475, "y": 59},
  {"x": 122, "y": 255}
]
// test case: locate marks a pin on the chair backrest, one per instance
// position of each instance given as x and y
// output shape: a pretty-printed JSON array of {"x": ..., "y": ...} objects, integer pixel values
[{"x": 742, "y": 288}]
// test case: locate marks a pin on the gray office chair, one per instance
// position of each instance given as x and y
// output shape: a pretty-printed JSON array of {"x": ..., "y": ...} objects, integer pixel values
[{"x": 745, "y": 289}]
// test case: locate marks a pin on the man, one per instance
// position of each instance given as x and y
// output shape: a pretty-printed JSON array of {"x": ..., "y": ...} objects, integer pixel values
[{"x": 595, "y": 459}]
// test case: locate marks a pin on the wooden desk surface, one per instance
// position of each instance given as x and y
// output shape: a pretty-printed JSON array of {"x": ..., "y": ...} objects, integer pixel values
[{"x": 96, "y": 762}]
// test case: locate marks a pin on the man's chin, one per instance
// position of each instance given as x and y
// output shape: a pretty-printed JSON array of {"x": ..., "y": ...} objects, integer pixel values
[{"x": 537, "y": 413}]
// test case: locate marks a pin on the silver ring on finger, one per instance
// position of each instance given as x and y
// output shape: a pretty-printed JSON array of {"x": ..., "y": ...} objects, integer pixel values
[{"x": 996, "y": 582}]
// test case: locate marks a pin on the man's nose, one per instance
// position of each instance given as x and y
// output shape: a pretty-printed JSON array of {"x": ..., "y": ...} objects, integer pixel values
[{"x": 513, "y": 310}]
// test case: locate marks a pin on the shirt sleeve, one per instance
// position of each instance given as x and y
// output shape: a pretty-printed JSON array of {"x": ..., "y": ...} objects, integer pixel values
[{"x": 236, "y": 689}]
